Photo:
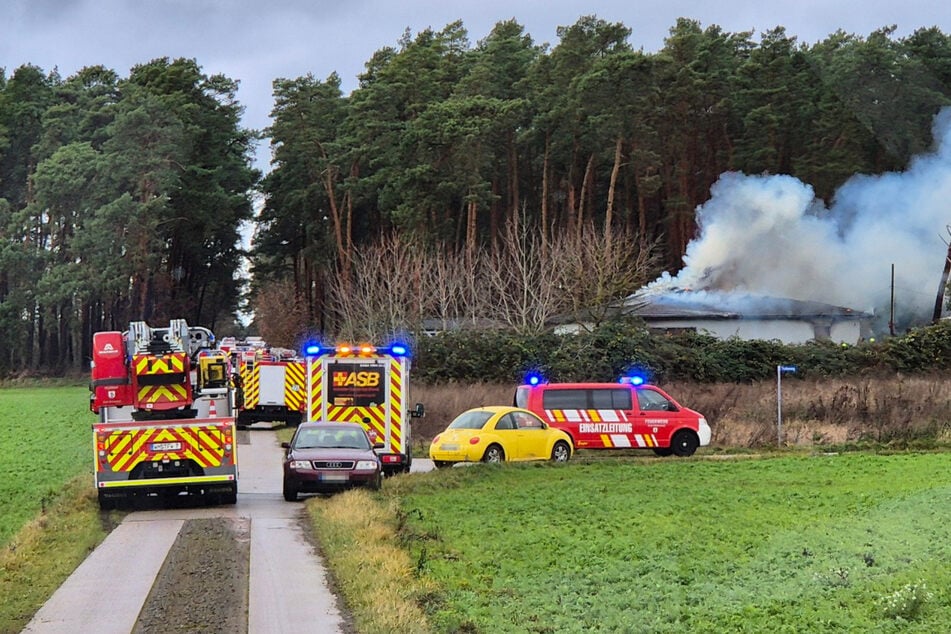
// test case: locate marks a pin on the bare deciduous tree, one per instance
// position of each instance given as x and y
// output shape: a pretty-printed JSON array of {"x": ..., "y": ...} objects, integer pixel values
[
  {"x": 279, "y": 315},
  {"x": 385, "y": 295},
  {"x": 445, "y": 286},
  {"x": 397, "y": 285},
  {"x": 594, "y": 273},
  {"x": 522, "y": 287}
]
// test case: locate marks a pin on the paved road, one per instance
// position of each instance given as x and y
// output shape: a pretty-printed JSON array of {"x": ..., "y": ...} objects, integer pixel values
[{"x": 288, "y": 591}]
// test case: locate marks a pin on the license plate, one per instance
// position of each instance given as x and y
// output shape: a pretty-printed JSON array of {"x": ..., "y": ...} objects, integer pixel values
[
  {"x": 449, "y": 447},
  {"x": 334, "y": 477},
  {"x": 166, "y": 446}
]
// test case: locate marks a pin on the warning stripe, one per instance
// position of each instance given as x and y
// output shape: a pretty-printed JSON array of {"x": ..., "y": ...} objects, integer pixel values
[
  {"x": 376, "y": 416},
  {"x": 592, "y": 415},
  {"x": 148, "y": 364},
  {"x": 295, "y": 391},
  {"x": 205, "y": 444},
  {"x": 396, "y": 406},
  {"x": 617, "y": 441},
  {"x": 251, "y": 385},
  {"x": 317, "y": 391},
  {"x": 154, "y": 482},
  {"x": 158, "y": 394}
]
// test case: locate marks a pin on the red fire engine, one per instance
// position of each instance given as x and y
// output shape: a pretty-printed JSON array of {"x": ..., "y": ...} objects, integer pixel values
[
  {"x": 166, "y": 423},
  {"x": 270, "y": 382}
]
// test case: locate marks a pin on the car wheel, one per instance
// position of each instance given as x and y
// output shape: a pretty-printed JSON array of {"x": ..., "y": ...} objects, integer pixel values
[
  {"x": 561, "y": 452},
  {"x": 441, "y": 464},
  {"x": 493, "y": 453},
  {"x": 377, "y": 482},
  {"x": 684, "y": 443},
  {"x": 664, "y": 451},
  {"x": 290, "y": 491}
]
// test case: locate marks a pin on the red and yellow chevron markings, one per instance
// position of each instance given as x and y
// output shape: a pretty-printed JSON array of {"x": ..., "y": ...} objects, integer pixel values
[
  {"x": 295, "y": 386},
  {"x": 158, "y": 394},
  {"x": 173, "y": 363},
  {"x": 206, "y": 445},
  {"x": 251, "y": 385}
]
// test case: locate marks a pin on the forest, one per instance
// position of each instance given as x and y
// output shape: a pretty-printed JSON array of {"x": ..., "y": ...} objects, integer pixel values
[{"x": 502, "y": 181}]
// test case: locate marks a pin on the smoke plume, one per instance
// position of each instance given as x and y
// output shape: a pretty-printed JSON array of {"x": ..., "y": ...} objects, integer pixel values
[{"x": 770, "y": 235}]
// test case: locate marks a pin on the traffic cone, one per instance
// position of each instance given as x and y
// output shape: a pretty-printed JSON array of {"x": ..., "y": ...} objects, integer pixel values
[{"x": 212, "y": 409}]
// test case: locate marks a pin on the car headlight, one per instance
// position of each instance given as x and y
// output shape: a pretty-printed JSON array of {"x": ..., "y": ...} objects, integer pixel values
[
  {"x": 365, "y": 465},
  {"x": 300, "y": 464}
]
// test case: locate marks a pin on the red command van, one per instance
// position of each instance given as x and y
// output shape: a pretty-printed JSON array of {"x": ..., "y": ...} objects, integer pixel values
[{"x": 617, "y": 415}]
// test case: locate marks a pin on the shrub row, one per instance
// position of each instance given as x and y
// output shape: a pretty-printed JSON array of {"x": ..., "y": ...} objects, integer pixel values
[{"x": 620, "y": 347}]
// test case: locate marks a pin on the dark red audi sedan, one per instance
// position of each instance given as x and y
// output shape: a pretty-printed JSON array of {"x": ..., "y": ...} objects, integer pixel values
[{"x": 327, "y": 457}]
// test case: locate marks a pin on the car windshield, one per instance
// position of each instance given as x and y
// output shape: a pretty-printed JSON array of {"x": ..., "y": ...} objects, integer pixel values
[
  {"x": 332, "y": 439},
  {"x": 471, "y": 420}
]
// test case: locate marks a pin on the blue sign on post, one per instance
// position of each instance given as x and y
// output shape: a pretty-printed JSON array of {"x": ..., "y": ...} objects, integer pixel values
[{"x": 780, "y": 371}]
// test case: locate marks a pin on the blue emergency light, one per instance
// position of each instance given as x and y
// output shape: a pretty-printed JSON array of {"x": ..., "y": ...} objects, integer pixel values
[
  {"x": 634, "y": 379},
  {"x": 312, "y": 349},
  {"x": 399, "y": 350},
  {"x": 533, "y": 379}
]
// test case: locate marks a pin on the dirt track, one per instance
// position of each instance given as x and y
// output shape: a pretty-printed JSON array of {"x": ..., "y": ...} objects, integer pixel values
[{"x": 206, "y": 569}]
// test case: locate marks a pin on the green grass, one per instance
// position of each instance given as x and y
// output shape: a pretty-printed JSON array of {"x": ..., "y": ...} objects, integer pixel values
[
  {"x": 45, "y": 441},
  {"x": 49, "y": 518},
  {"x": 46, "y": 550},
  {"x": 787, "y": 544}
]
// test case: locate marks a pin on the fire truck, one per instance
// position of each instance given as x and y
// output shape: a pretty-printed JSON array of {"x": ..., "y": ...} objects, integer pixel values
[
  {"x": 368, "y": 385},
  {"x": 269, "y": 382},
  {"x": 166, "y": 421}
]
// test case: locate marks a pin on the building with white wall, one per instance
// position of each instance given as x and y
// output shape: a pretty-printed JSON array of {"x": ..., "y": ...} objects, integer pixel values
[{"x": 725, "y": 315}]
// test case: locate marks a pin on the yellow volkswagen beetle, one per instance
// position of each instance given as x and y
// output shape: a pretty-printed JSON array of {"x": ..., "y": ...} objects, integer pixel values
[{"x": 497, "y": 434}]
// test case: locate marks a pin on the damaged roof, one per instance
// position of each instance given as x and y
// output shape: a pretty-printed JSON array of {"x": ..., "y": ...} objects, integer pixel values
[{"x": 686, "y": 304}]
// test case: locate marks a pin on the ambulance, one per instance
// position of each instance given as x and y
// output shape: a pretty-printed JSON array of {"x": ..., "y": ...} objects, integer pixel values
[
  {"x": 623, "y": 415},
  {"x": 368, "y": 385}
]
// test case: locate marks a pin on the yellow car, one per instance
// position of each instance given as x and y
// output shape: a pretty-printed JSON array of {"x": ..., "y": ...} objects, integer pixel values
[{"x": 497, "y": 434}]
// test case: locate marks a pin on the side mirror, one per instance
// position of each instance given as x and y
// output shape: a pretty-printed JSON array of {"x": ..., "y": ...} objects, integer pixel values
[
  {"x": 418, "y": 411},
  {"x": 378, "y": 445},
  {"x": 286, "y": 445}
]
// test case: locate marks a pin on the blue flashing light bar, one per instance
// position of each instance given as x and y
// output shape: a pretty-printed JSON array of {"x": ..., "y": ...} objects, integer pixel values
[
  {"x": 533, "y": 379},
  {"x": 345, "y": 349},
  {"x": 399, "y": 350},
  {"x": 313, "y": 349},
  {"x": 633, "y": 380}
]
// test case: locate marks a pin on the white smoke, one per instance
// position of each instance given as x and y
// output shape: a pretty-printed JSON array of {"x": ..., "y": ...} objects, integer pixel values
[{"x": 770, "y": 235}]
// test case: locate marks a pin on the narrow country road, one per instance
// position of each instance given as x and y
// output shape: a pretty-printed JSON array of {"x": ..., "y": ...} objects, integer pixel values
[{"x": 261, "y": 553}]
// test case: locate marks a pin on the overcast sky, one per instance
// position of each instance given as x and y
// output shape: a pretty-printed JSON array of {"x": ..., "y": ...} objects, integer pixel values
[{"x": 255, "y": 42}]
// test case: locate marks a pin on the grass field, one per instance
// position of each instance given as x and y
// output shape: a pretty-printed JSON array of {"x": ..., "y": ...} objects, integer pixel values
[
  {"x": 49, "y": 518},
  {"x": 45, "y": 441},
  {"x": 818, "y": 543}
]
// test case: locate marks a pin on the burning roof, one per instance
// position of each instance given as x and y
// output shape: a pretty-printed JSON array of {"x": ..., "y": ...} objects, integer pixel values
[{"x": 716, "y": 304}]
